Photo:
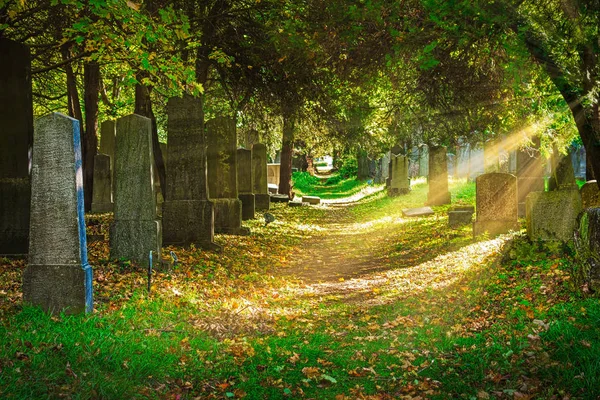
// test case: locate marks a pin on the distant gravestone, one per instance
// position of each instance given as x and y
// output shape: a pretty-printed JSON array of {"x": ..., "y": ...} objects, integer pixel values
[
  {"x": 136, "y": 230},
  {"x": 552, "y": 215},
  {"x": 188, "y": 214},
  {"x": 563, "y": 176},
  {"x": 259, "y": 182},
  {"x": 438, "y": 193},
  {"x": 496, "y": 202},
  {"x": 245, "y": 183},
  {"x": 16, "y": 138},
  {"x": 590, "y": 195},
  {"x": 273, "y": 172},
  {"x": 102, "y": 200},
  {"x": 222, "y": 176},
  {"x": 160, "y": 200},
  {"x": 398, "y": 176},
  {"x": 460, "y": 216},
  {"x": 58, "y": 276},
  {"x": 362, "y": 160},
  {"x": 530, "y": 173}
]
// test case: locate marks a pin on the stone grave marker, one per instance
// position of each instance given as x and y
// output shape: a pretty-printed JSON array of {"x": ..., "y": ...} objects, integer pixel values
[
  {"x": 398, "y": 175},
  {"x": 496, "y": 201},
  {"x": 102, "y": 200},
  {"x": 563, "y": 176},
  {"x": 222, "y": 176},
  {"x": 438, "y": 193},
  {"x": 590, "y": 195},
  {"x": 188, "y": 214},
  {"x": 58, "y": 276},
  {"x": 16, "y": 138},
  {"x": 245, "y": 183},
  {"x": 552, "y": 215},
  {"x": 417, "y": 212},
  {"x": 314, "y": 200},
  {"x": 530, "y": 173},
  {"x": 259, "y": 182},
  {"x": 273, "y": 173},
  {"x": 136, "y": 229}
]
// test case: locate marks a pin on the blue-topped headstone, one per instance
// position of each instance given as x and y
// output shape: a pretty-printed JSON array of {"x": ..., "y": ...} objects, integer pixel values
[{"x": 58, "y": 276}]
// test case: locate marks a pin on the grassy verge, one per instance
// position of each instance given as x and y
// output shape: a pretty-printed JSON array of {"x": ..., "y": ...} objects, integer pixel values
[{"x": 308, "y": 185}]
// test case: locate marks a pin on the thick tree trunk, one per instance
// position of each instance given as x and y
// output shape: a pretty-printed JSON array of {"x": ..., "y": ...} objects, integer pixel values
[
  {"x": 287, "y": 146},
  {"x": 143, "y": 107},
  {"x": 73, "y": 95},
  {"x": 89, "y": 140}
]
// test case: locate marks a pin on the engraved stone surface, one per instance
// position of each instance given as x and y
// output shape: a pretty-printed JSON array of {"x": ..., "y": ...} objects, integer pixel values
[
  {"x": 273, "y": 173},
  {"x": 259, "y": 182},
  {"x": 496, "y": 200},
  {"x": 136, "y": 230},
  {"x": 553, "y": 215},
  {"x": 58, "y": 276},
  {"x": 102, "y": 201},
  {"x": 245, "y": 183},
  {"x": 438, "y": 193}
]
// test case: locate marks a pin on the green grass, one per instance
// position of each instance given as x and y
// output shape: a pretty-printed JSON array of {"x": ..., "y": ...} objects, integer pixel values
[{"x": 308, "y": 185}]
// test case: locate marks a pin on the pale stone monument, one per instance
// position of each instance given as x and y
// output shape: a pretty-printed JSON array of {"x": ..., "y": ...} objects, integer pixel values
[
  {"x": 58, "y": 276},
  {"x": 496, "y": 202},
  {"x": 273, "y": 173},
  {"x": 259, "y": 182}
]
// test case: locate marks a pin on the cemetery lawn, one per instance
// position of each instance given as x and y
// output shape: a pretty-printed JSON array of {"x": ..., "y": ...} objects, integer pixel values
[
  {"x": 334, "y": 187},
  {"x": 328, "y": 302}
]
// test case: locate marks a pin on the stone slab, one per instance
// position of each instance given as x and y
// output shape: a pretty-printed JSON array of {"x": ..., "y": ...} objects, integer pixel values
[
  {"x": 222, "y": 158},
  {"x": 311, "y": 200},
  {"x": 273, "y": 173},
  {"x": 228, "y": 217},
  {"x": 273, "y": 188},
  {"x": 259, "y": 169},
  {"x": 552, "y": 216},
  {"x": 186, "y": 222},
  {"x": 248, "y": 205},
  {"x": 280, "y": 198},
  {"x": 459, "y": 218},
  {"x": 417, "y": 212},
  {"x": 262, "y": 202}
]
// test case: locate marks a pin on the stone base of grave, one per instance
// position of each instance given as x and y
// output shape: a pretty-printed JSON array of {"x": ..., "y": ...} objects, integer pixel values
[
  {"x": 280, "y": 198},
  {"x": 98, "y": 208},
  {"x": 526, "y": 185},
  {"x": 228, "y": 217},
  {"x": 439, "y": 199},
  {"x": 459, "y": 218},
  {"x": 494, "y": 228},
  {"x": 133, "y": 240},
  {"x": 189, "y": 221},
  {"x": 553, "y": 215},
  {"x": 417, "y": 212},
  {"x": 248, "y": 205},
  {"x": 314, "y": 200},
  {"x": 393, "y": 192},
  {"x": 15, "y": 197},
  {"x": 262, "y": 202},
  {"x": 58, "y": 288}
]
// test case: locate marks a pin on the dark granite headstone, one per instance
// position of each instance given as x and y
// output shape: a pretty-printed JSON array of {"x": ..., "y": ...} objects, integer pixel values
[
  {"x": 136, "y": 230},
  {"x": 496, "y": 200},
  {"x": 16, "y": 137},
  {"x": 438, "y": 193},
  {"x": 102, "y": 201},
  {"x": 222, "y": 176},
  {"x": 259, "y": 182},
  {"x": 245, "y": 183},
  {"x": 58, "y": 276},
  {"x": 188, "y": 214}
]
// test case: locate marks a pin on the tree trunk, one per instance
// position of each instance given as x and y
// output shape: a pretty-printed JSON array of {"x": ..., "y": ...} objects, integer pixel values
[
  {"x": 89, "y": 140},
  {"x": 143, "y": 107},
  {"x": 73, "y": 95},
  {"x": 285, "y": 167}
]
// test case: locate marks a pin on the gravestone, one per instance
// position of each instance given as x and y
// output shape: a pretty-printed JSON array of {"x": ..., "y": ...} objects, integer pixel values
[
  {"x": 188, "y": 214},
  {"x": 530, "y": 173},
  {"x": 160, "y": 200},
  {"x": 58, "y": 276},
  {"x": 16, "y": 138},
  {"x": 273, "y": 173},
  {"x": 108, "y": 133},
  {"x": 222, "y": 176},
  {"x": 460, "y": 216},
  {"x": 245, "y": 183},
  {"x": 136, "y": 229},
  {"x": 424, "y": 160},
  {"x": 552, "y": 215},
  {"x": 563, "y": 176},
  {"x": 102, "y": 200},
  {"x": 259, "y": 182},
  {"x": 314, "y": 200},
  {"x": 590, "y": 195},
  {"x": 417, "y": 212},
  {"x": 362, "y": 162},
  {"x": 398, "y": 175},
  {"x": 496, "y": 202},
  {"x": 438, "y": 193}
]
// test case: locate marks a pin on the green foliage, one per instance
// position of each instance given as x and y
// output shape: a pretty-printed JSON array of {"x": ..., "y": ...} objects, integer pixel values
[{"x": 347, "y": 168}]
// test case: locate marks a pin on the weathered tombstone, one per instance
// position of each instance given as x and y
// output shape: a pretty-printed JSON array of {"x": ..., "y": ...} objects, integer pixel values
[
  {"x": 438, "y": 193},
  {"x": 108, "y": 133},
  {"x": 58, "y": 276},
  {"x": 259, "y": 182},
  {"x": 102, "y": 200},
  {"x": 362, "y": 161},
  {"x": 398, "y": 176},
  {"x": 136, "y": 229},
  {"x": 245, "y": 183},
  {"x": 417, "y": 212},
  {"x": 273, "y": 173},
  {"x": 496, "y": 201},
  {"x": 530, "y": 173},
  {"x": 563, "y": 176},
  {"x": 590, "y": 195},
  {"x": 460, "y": 216},
  {"x": 222, "y": 176},
  {"x": 424, "y": 160},
  {"x": 16, "y": 137},
  {"x": 188, "y": 214},
  {"x": 552, "y": 215}
]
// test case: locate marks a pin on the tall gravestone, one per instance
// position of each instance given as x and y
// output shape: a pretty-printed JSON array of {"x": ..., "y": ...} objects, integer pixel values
[
  {"x": 438, "y": 193},
  {"x": 222, "y": 176},
  {"x": 260, "y": 187},
  {"x": 16, "y": 137},
  {"x": 362, "y": 161},
  {"x": 530, "y": 173},
  {"x": 58, "y": 276},
  {"x": 398, "y": 175},
  {"x": 102, "y": 200},
  {"x": 496, "y": 203},
  {"x": 245, "y": 183},
  {"x": 188, "y": 214},
  {"x": 136, "y": 230}
]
